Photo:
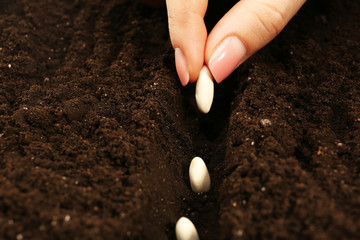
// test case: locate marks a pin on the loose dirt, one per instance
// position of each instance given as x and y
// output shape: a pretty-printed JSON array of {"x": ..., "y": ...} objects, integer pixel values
[{"x": 97, "y": 134}]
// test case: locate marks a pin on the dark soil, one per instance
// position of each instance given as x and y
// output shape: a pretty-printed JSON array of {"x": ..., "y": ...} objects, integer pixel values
[{"x": 96, "y": 132}]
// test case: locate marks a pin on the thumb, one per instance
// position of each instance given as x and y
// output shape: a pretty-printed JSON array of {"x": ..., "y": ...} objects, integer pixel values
[
  {"x": 246, "y": 28},
  {"x": 188, "y": 36}
]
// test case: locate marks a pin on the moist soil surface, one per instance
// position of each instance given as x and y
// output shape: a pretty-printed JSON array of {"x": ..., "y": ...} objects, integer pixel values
[{"x": 97, "y": 133}]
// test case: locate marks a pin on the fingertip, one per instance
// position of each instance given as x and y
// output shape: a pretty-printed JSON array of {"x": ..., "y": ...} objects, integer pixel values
[
  {"x": 243, "y": 30},
  {"x": 181, "y": 67},
  {"x": 195, "y": 70},
  {"x": 188, "y": 62},
  {"x": 189, "y": 54},
  {"x": 188, "y": 35}
]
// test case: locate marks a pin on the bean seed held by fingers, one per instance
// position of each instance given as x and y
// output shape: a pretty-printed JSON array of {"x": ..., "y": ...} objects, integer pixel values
[{"x": 204, "y": 92}]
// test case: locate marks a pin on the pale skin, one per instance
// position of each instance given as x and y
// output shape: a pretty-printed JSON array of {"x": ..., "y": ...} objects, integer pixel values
[{"x": 247, "y": 27}]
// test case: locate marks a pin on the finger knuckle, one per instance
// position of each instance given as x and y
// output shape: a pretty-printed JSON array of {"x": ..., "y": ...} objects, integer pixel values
[{"x": 271, "y": 18}]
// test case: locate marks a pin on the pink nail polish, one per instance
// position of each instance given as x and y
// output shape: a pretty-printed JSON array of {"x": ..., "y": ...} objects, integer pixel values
[
  {"x": 226, "y": 58},
  {"x": 181, "y": 67}
]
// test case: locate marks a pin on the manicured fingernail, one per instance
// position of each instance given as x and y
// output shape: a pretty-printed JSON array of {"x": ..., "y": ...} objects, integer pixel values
[
  {"x": 226, "y": 58},
  {"x": 181, "y": 66}
]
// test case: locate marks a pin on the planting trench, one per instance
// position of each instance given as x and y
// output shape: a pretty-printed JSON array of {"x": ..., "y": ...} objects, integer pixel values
[{"x": 97, "y": 134}]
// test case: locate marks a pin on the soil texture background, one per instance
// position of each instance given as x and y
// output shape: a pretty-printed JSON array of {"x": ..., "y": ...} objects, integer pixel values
[{"x": 97, "y": 134}]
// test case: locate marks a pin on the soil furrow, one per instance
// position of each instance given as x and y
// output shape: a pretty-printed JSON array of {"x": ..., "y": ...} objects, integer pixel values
[{"x": 208, "y": 142}]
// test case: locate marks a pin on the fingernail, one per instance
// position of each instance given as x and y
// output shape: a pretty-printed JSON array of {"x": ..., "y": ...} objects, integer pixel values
[
  {"x": 226, "y": 58},
  {"x": 181, "y": 66}
]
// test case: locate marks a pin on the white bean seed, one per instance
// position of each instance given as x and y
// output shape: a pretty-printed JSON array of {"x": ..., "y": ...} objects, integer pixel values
[
  {"x": 199, "y": 175},
  {"x": 204, "y": 92},
  {"x": 185, "y": 230}
]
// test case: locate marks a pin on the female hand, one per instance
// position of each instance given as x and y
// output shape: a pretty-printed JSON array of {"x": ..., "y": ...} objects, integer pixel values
[{"x": 244, "y": 29}]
